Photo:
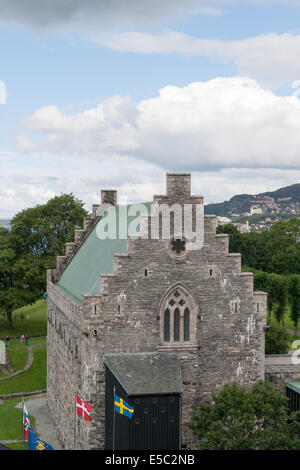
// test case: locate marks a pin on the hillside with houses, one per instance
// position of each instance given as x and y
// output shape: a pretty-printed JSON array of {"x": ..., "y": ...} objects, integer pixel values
[{"x": 257, "y": 212}]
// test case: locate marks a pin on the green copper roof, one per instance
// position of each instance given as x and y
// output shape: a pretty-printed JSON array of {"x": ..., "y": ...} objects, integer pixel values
[
  {"x": 96, "y": 255},
  {"x": 295, "y": 386}
]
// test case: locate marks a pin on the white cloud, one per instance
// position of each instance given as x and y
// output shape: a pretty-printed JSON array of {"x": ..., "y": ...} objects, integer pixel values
[
  {"x": 50, "y": 119},
  {"x": 270, "y": 58},
  {"x": 222, "y": 123},
  {"x": 14, "y": 199},
  {"x": 23, "y": 144},
  {"x": 233, "y": 135},
  {"x": 135, "y": 180}
]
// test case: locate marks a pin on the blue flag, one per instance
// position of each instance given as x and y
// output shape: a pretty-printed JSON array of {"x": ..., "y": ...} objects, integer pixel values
[
  {"x": 35, "y": 443},
  {"x": 123, "y": 408}
]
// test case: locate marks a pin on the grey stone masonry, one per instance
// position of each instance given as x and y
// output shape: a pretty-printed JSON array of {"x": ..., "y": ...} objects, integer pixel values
[
  {"x": 220, "y": 340},
  {"x": 109, "y": 196},
  {"x": 280, "y": 368}
]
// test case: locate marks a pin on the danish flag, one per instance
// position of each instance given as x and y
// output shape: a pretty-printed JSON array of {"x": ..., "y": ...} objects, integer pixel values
[
  {"x": 83, "y": 409},
  {"x": 26, "y": 423}
]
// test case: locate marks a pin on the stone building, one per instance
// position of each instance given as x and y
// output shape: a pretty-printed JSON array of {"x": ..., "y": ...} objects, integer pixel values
[{"x": 147, "y": 302}]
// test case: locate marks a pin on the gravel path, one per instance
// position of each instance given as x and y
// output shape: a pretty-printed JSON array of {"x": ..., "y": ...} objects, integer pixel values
[{"x": 38, "y": 407}]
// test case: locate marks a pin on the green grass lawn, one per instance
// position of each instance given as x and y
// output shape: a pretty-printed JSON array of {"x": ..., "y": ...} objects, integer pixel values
[
  {"x": 35, "y": 377},
  {"x": 17, "y": 446},
  {"x": 18, "y": 357},
  {"x": 11, "y": 420},
  {"x": 34, "y": 323}
]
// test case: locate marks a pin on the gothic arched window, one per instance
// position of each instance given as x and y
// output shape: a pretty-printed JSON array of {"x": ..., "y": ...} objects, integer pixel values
[{"x": 179, "y": 314}]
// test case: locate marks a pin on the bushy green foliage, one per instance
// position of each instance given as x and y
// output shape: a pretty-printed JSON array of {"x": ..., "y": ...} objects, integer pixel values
[
  {"x": 294, "y": 293},
  {"x": 16, "y": 287},
  {"x": 277, "y": 340},
  {"x": 274, "y": 258},
  {"x": 240, "y": 419},
  {"x": 37, "y": 235},
  {"x": 43, "y": 230},
  {"x": 276, "y": 250}
]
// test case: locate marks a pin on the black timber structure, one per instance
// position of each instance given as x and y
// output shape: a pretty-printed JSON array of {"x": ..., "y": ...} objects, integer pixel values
[
  {"x": 151, "y": 383},
  {"x": 292, "y": 390}
]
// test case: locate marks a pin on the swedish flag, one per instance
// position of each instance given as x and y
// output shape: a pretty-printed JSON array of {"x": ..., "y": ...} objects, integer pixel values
[{"x": 122, "y": 407}]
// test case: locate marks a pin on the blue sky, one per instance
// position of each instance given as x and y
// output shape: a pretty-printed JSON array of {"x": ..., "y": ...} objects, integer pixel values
[{"x": 101, "y": 94}]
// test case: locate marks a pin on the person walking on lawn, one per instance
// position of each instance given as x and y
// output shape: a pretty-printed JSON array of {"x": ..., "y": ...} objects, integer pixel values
[
  {"x": 7, "y": 341},
  {"x": 26, "y": 340}
]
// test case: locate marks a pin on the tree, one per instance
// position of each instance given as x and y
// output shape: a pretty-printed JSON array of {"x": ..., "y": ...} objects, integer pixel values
[
  {"x": 235, "y": 237},
  {"x": 283, "y": 247},
  {"x": 279, "y": 286},
  {"x": 16, "y": 287},
  {"x": 276, "y": 250},
  {"x": 240, "y": 419},
  {"x": 277, "y": 340},
  {"x": 294, "y": 294},
  {"x": 43, "y": 230},
  {"x": 38, "y": 235}
]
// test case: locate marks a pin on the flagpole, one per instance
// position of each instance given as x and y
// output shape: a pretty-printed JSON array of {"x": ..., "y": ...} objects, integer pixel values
[
  {"x": 22, "y": 434},
  {"x": 114, "y": 421},
  {"x": 75, "y": 425}
]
